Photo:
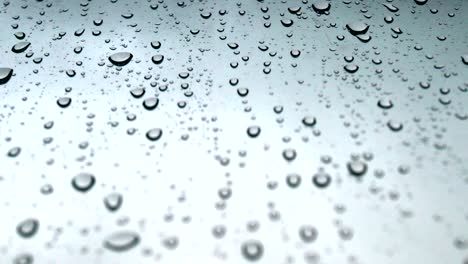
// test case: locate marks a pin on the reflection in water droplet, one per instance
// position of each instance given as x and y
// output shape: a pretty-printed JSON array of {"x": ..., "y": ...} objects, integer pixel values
[
  {"x": 5, "y": 75},
  {"x": 20, "y": 46}
]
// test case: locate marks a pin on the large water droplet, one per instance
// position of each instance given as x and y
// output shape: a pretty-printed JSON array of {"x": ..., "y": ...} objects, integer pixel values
[
  {"x": 321, "y": 6},
  {"x": 357, "y": 168},
  {"x": 27, "y": 228},
  {"x": 5, "y": 75},
  {"x": 150, "y": 103},
  {"x": 154, "y": 134},
  {"x": 157, "y": 59},
  {"x": 121, "y": 58},
  {"x": 113, "y": 201},
  {"x": 308, "y": 233},
  {"x": 83, "y": 182},
  {"x": 321, "y": 179},
  {"x": 20, "y": 46},
  {"x": 252, "y": 250},
  {"x": 253, "y": 131},
  {"x": 357, "y": 28}
]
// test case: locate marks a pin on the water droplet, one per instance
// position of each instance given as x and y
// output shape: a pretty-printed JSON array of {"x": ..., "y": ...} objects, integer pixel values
[
  {"x": 242, "y": 92},
  {"x": 137, "y": 92},
  {"x": 233, "y": 45},
  {"x": 357, "y": 28},
  {"x": 5, "y": 75},
  {"x": 113, "y": 201},
  {"x": 309, "y": 121},
  {"x": 308, "y": 233},
  {"x": 83, "y": 182},
  {"x": 321, "y": 179},
  {"x": 357, "y": 168},
  {"x": 420, "y": 2},
  {"x": 154, "y": 134},
  {"x": 64, "y": 101},
  {"x": 157, "y": 59},
  {"x": 27, "y": 228},
  {"x": 252, "y": 250},
  {"x": 394, "y": 125},
  {"x": 253, "y": 131},
  {"x": 150, "y": 103},
  {"x": 287, "y": 22},
  {"x": 295, "y": 53},
  {"x": 293, "y": 180},
  {"x": 20, "y": 46},
  {"x": 464, "y": 59},
  {"x": 351, "y": 68},
  {"x": 23, "y": 258},
  {"x": 289, "y": 154},
  {"x": 156, "y": 44},
  {"x": 385, "y": 103},
  {"x": 20, "y": 35},
  {"x": 391, "y": 7},
  {"x": 14, "y": 152},
  {"x": 121, "y": 241},
  {"x": 321, "y": 6},
  {"x": 218, "y": 231},
  {"x": 171, "y": 242},
  {"x": 121, "y": 58}
]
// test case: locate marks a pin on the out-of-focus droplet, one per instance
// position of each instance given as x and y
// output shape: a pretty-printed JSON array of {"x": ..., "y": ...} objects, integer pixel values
[
  {"x": 308, "y": 233},
  {"x": 252, "y": 250},
  {"x": 121, "y": 241},
  {"x": 27, "y": 228}
]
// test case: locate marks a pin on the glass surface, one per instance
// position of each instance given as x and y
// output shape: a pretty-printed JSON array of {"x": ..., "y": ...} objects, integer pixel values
[{"x": 302, "y": 131}]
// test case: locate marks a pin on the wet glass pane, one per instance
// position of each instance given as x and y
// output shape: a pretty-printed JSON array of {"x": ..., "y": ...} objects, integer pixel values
[{"x": 256, "y": 131}]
